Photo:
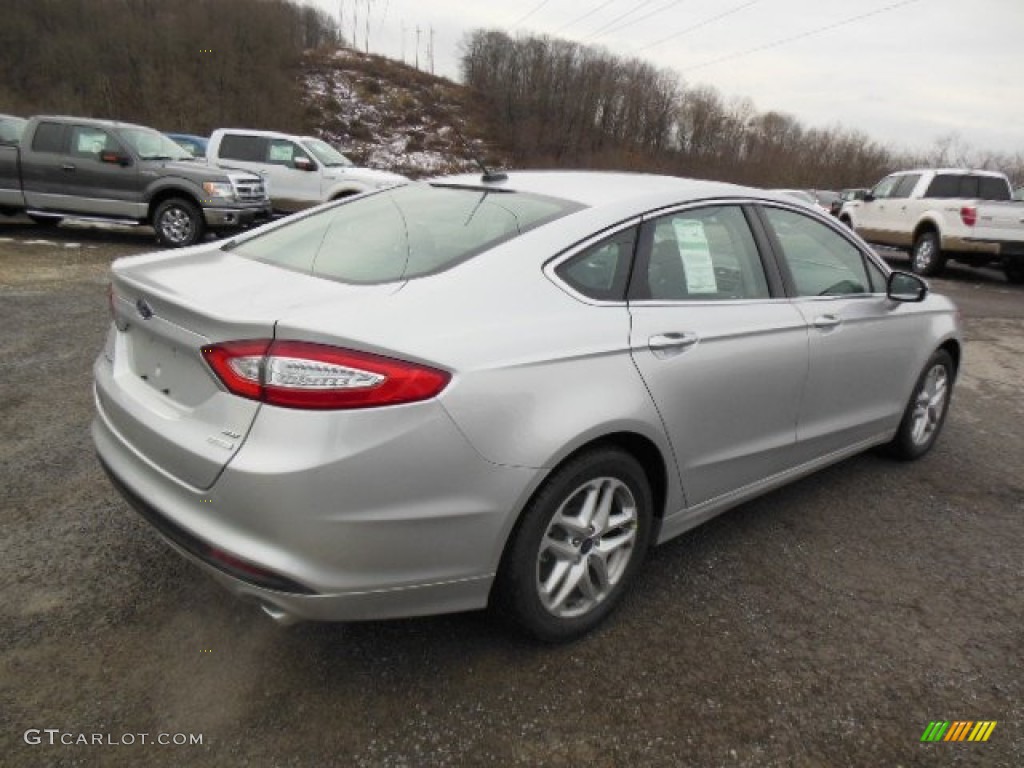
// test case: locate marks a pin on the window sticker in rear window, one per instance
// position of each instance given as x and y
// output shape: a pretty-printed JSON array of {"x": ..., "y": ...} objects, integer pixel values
[{"x": 696, "y": 256}]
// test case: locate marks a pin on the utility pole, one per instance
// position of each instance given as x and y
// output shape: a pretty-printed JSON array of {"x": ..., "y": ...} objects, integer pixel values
[
  {"x": 431, "y": 50},
  {"x": 367, "y": 38},
  {"x": 403, "y": 41},
  {"x": 417, "y": 46}
]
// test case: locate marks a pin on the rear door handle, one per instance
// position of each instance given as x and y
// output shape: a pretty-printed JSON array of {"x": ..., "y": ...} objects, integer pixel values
[
  {"x": 670, "y": 344},
  {"x": 67, "y": 167},
  {"x": 825, "y": 322}
]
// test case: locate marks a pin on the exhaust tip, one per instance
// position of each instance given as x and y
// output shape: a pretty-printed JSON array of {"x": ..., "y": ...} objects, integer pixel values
[{"x": 281, "y": 617}]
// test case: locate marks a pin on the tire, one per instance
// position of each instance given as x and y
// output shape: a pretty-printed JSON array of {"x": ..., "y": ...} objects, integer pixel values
[
  {"x": 178, "y": 223},
  {"x": 1014, "y": 273},
  {"x": 926, "y": 411},
  {"x": 564, "y": 571},
  {"x": 45, "y": 221},
  {"x": 926, "y": 258}
]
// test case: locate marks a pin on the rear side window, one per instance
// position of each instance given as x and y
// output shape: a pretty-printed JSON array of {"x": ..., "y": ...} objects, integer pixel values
[
  {"x": 402, "y": 233},
  {"x": 49, "y": 137},
  {"x": 943, "y": 186},
  {"x": 251, "y": 149},
  {"x": 992, "y": 188},
  {"x": 601, "y": 271}
]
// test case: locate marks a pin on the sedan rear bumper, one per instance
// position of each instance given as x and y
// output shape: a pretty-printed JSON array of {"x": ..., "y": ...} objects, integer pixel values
[{"x": 329, "y": 542}]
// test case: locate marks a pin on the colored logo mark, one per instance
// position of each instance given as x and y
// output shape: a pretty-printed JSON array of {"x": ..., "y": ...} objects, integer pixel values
[{"x": 958, "y": 730}]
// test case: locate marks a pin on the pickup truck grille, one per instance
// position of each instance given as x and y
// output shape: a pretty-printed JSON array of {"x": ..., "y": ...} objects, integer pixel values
[{"x": 251, "y": 191}]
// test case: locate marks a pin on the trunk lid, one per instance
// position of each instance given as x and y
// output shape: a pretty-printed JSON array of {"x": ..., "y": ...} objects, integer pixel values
[{"x": 156, "y": 388}]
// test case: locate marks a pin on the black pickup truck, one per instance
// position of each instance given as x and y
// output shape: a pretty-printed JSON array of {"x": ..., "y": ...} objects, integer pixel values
[{"x": 100, "y": 170}]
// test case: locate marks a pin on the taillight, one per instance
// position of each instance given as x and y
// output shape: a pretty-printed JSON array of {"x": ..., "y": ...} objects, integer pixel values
[
  {"x": 299, "y": 374},
  {"x": 969, "y": 215}
]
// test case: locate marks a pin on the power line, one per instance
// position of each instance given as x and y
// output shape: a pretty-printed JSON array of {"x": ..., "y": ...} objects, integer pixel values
[
  {"x": 655, "y": 12},
  {"x": 536, "y": 8},
  {"x": 801, "y": 36},
  {"x": 586, "y": 15},
  {"x": 704, "y": 23},
  {"x": 617, "y": 19}
]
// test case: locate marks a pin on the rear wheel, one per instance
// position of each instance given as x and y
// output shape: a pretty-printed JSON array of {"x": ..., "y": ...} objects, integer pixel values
[
  {"x": 926, "y": 256},
  {"x": 579, "y": 544},
  {"x": 178, "y": 223},
  {"x": 926, "y": 411}
]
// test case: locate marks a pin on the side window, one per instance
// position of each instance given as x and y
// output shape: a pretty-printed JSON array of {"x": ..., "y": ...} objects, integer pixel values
[
  {"x": 885, "y": 187},
  {"x": 600, "y": 272},
  {"x": 906, "y": 185},
  {"x": 88, "y": 142},
  {"x": 701, "y": 254},
  {"x": 821, "y": 262},
  {"x": 284, "y": 152},
  {"x": 49, "y": 137},
  {"x": 252, "y": 149},
  {"x": 993, "y": 188},
  {"x": 944, "y": 185}
]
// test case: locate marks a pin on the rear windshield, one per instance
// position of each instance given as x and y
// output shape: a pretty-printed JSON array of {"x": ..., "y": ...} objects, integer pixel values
[{"x": 401, "y": 233}]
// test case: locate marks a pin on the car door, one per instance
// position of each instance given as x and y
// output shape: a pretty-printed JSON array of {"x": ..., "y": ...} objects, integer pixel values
[
  {"x": 42, "y": 177},
  {"x": 293, "y": 187},
  {"x": 722, "y": 352},
  {"x": 872, "y": 212},
  {"x": 862, "y": 345},
  {"x": 103, "y": 187},
  {"x": 901, "y": 211}
]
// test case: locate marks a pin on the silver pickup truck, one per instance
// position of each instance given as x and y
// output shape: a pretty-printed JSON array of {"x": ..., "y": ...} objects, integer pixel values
[{"x": 100, "y": 170}]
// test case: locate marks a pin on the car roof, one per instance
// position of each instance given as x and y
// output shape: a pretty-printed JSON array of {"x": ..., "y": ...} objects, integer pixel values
[
  {"x": 263, "y": 134},
  {"x": 599, "y": 188},
  {"x": 953, "y": 171}
]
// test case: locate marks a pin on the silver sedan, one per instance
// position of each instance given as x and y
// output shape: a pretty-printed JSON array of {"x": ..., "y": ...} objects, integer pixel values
[{"x": 501, "y": 390}]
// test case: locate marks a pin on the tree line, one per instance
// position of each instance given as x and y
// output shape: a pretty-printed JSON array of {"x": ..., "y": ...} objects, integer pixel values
[
  {"x": 187, "y": 65},
  {"x": 556, "y": 102}
]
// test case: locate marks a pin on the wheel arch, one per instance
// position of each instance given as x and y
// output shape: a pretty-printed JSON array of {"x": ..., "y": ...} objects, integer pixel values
[
  {"x": 926, "y": 225},
  {"x": 167, "y": 193},
  {"x": 645, "y": 451}
]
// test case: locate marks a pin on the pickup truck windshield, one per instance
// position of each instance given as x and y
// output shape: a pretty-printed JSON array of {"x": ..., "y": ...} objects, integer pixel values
[
  {"x": 327, "y": 154},
  {"x": 151, "y": 145},
  {"x": 401, "y": 233}
]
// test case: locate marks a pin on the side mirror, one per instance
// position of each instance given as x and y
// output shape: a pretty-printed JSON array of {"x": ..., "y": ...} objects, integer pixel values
[
  {"x": 868, "y": 197},
  {"x": 115, "y": 158},
  {"x": 903, "y": 286},
  {"x": 304, "y": 164}
]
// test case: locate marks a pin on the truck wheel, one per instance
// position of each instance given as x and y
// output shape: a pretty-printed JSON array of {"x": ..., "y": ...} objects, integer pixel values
[
  {"x": 926, "y": 256},
  {"x": 579, "y": 544},
  {"x": 1014, "y": 273},
  {"x": 178, "y": 223}
]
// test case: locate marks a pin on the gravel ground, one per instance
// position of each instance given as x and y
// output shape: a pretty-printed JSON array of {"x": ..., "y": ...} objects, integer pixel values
[{"x": 825, "y": 624}]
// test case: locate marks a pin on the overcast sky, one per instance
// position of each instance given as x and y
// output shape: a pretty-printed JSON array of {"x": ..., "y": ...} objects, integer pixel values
[{"x": 905, "y": 72}]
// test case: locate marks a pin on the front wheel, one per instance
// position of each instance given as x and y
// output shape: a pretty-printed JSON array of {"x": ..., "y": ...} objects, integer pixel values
[
  {"x": 579, "y": 543},
  {"x": 178, "y": 223},
  {"x": 926, "y": 412},
  {"x": 926, "y": 257}
]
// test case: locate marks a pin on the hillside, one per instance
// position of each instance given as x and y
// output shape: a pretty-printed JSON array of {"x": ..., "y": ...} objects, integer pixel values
[{"x": 391, "y": 116}]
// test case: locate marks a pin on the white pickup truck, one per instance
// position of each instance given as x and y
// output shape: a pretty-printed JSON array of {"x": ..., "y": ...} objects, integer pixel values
[
  {"x": 948, "y": 213},
  {"x": 299, "y": 171}
]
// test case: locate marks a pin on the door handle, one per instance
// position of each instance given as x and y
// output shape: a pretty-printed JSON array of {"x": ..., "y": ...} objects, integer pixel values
[
  {"x": 825, "y": 322},
  {"x": 67, "y": 167},
  {"x": 670, "y": 344}
]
